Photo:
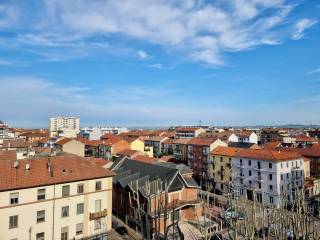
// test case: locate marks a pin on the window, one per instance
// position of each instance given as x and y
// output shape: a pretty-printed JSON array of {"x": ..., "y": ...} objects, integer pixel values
[
  {"x": 281, "y": 165},
  {"x": 41, "y": 216},
  {"x": 259, "y": 165},
  {"x": 98, "y": 185},
  {"x": 13, "y": 221},
  {"x": 270, "y": 176},
  {"x": 64, "y": 233},
  {"x": 80, "y": 188},
  {"x": 65, "y": 191},
  {"x": 281, "y": 176},
  {"x": 249, "y": 162},
  {"x": 287, "y": 164},
  {"x": 98, "y": 205},
  {"x": 41, "y": 194},
  {"x": 270, "y": 165},
  {"x": 249, "y": 172},
  {"x": 287, "y": 175},
  {"x": 40, "y": 236},
  {"x": 240, "y": 161},
  {"x": 270, "y": 187},
  {"x": 271, "y": 199},
  {"x": 65, "y": 211},
  {"x": 14, "y": 198},
  {"x": 79, "y": 228},
  {"x": 221, "y": 159},
  {"x": 79, "y": 208},
  {"x": 259, "y": 185}
]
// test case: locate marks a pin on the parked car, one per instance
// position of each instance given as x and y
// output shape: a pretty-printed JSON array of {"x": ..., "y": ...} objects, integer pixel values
[{"x": 121, "y": 230}]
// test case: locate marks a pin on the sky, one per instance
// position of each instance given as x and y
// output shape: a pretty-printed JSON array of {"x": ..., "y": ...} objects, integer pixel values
[{"x": 160, "y": 62}]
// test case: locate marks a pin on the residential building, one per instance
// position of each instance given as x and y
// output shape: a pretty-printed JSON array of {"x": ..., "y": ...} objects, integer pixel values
[
  {"x": 164, "y": 182},
  {"x": 23, "y": 148},
  {"x": 72, "y": 146},
  {"x": 273, "y": 135},
  {"x": 137, "y": 144},
  {"x": 111, "y": 145},
  {"x": 55, "y": 198},
  {"x": 34, "y": 136},
  {"x": 156, "y": 142},
  {"x": 95, "y": 133},
  {"x": 246, "y": 137},
  {"x": 265, "y": 174},
  {"x": 220, "y": 170},
  {"x": 5, "y": 132},
  {"x": 189, "y": 132},
  {"x": 64, "y": 126},
  {"x": 199, "y": 155},
  {"x": 180, "y": 149}
]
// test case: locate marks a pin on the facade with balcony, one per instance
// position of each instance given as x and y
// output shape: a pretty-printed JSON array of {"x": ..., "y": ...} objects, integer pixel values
[
  {"x": 199, "y": 158},
  {"x": 266, "y": 176},
  {"x": 55, "y": 198}
]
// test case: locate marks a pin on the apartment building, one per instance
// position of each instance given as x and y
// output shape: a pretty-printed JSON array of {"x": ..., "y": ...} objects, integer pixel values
[
  {"x": 189, "y": 132},
  {"x": 162, "y": 187},
  {"x": 199, "y": 154},
  {"x": 247, "y": 137},
  {"x": 64, "y": 126},
  {"x": 95, "y": 133},
  {"x": 264, "y": 174},
  {"x": 156, "y": 142},
  {"x": 220, "y": 170},
  {"x": 23, "y": 148},
  {"x": 180, "y": 150},
  {"x": 273, "y": 135},
  {"x": 55, "y": 198}
]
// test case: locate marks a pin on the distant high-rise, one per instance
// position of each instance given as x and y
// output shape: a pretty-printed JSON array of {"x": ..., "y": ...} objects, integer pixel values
[{"x": 64, "y": 126}]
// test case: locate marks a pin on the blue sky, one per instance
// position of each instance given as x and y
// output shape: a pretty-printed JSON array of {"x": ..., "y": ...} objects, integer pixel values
[{"x": 153, "y": 63}]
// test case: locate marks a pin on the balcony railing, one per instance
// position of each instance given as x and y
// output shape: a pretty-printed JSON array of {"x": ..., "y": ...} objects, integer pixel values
[{"x": 97, "y": 215}]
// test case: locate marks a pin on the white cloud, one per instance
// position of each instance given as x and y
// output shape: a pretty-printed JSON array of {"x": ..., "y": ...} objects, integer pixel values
[
  {"x": 314, "y": 71},
  {"x": 157, "y": 66},
  {"x": 202, "y": 30},
  {"x": 142, "y": 54},
  {"x": 301, "y": 26},
  {"x": 9, "y": 16}
]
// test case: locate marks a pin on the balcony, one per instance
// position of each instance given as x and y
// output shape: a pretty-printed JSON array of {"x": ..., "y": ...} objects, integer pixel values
[
  {"x": 259, "y": 179},
  {"x": 257, "y": 168},
  {"x": 241, "y": 175},
  {"x": 240, "y": 166},
  {"x": 97, "y": 215}
]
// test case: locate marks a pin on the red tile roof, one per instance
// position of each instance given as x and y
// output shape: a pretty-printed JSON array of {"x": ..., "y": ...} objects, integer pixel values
[
  {"x": 201, "y": 141},
  {"x": 259, "y": 154},
  {"x": 67, "y": 168},
  {"x": 17, "y": 143},
  {"x": 305, "y": 138},
  {"x": 8, "y": 155},
  {"x": 64, "y": 141}
]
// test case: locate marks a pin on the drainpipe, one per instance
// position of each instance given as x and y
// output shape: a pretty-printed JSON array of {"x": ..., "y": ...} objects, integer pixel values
[{"x": 53, "y": 209}]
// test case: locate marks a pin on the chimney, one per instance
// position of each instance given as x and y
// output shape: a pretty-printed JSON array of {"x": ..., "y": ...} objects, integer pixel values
[
  {"x": 16, "y": 164},
  {"x": 49, "y": 168}
]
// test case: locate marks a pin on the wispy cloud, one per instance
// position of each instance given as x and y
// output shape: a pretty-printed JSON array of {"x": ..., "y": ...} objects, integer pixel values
[
  {"x": 301, "y": 26},
  {"x": 131, "y": 105},
  {"x": 142, "y": 54},
  {"x": 202, "y": 31},
  {"x": 314, "y": 71}
]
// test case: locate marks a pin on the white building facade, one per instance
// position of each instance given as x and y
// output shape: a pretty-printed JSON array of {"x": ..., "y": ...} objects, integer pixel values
[
  {"x": 64, "y": 126},
  {"x": 267, "y": 179}
]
